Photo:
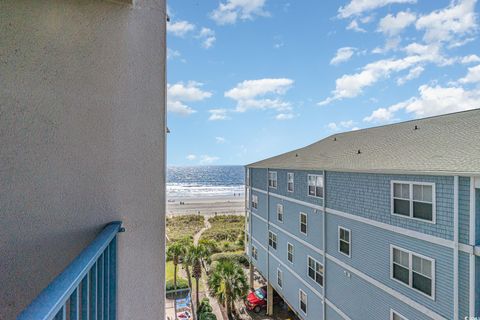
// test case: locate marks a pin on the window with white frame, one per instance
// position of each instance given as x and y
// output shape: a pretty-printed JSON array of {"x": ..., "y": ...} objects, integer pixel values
[
  {"x": 396, "y": 316},
  {"x": 303, "y": 223},
  {"x": 272, "y": 240},
  {"x": 413, "y": 270},
  {"x": 290, "y": 183},
  {"x": 315, "y": 185},
  {"x": 254, "y": 253},
  {"x": 290, "y": 252},
  {"x": 280, "y": 278},
  {"x": 302, "y": 297},
  {"x": 272, "y": 179},
  {"x": 344, "y": 241},
  {"x": 315, "y": 270},
  {"x": 254, "y": 201},
  {"x": 414, "y": 200},
  {"x": 280, "y": 212}
]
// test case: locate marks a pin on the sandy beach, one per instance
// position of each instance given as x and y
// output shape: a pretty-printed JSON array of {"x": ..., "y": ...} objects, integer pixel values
[{"x": 207, "y": 205}]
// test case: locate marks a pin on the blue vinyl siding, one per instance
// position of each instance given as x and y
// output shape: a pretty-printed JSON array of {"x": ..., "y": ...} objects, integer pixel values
[
  {"x": 477, "y": 212},
  {"x": 477, "y": 285},
  {"x": 369, "y": 196},
  {"x": 259, "y": 178},
  {"x": 262, "y": 204},
  {"x": 370, "y": 254},
  {"x": 463, "y": 285},
  {"x": 464, "y": 209}
]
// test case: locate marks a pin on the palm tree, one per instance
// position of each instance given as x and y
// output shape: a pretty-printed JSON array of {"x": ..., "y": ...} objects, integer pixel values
[
  {"x": 175, "y": 252},
  {"x": 227, "y": 282},
  {"x": 195, "y": 255},
  {"x": 187, "y": 263}
]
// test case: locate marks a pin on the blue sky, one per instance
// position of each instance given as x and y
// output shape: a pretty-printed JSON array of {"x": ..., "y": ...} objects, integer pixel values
[{"x": 249, "y": 79}]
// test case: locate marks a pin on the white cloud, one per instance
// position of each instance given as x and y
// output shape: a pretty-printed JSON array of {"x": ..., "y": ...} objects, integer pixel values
[
  {"x": 473, "y": 58},
  {"x": 191, "y": 157},
  {"x": 390, "y": 44},
  {"x": 180, "y": 28},
  {"x": 472, "y": 76},
  {"x": 412, "y": 74},
  {"x": 206, "y": 159},
  {"x": 353, "y": 25},
  {"x": 357, "y": 7},
  {"x": 220, "y": 140},
  {"x": 392, "y": 25},
  {"x": 252, "y": 88},
  {"x": 179, "y": 93},
  {"x": 342, "y": 125},
  {"x": 233, "y": 10},
  {"x": 284, "y": 116},
  {"x": 171, "y": 54},
  {"x": 444, "y": 25},
  {"x": 343, "y": 54},
  {"x": 430, "y": 102},
  {"x": 207, "y": 36},
  {"x": 218, "y": 114}
]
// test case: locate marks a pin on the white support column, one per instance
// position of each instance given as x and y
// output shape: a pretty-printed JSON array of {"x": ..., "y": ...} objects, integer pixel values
[
  {"x": 472, "y": 237},
  {"x": 455, "y": 248}
]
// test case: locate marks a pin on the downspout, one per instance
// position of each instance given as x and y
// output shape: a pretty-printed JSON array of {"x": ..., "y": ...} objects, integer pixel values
[
  {"x": 455, "y": 248},
  {"x": 268, "y": 234},
  {"x": 472, "y": 238},
  {"x": 324, "y": 247}
]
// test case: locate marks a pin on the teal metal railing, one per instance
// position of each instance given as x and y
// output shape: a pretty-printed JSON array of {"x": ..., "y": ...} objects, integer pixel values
[{"x": 87, "y": 288}]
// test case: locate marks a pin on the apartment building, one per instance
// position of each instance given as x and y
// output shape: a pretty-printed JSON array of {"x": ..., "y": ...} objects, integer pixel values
[{"x": 381, "y": 223}]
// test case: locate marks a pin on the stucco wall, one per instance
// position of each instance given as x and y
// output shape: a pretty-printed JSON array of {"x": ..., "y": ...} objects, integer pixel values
[{"x": 82, "y": 140}]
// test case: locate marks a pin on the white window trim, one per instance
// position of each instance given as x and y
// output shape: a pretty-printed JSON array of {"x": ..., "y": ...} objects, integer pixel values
[
  {"x": 276, "y": 240},
  {"x": 300, "y": 223},
  {"x": 411, "y": 183},
  {"x": 293, "y": 253},
  {"x": 323, "y": 273},
  {"x": 254, "y": 196},
  {"x": 410, "y": 270},
  {"x": 293, "y": 183},
  {"x": 283, "y": 216},
  {"x": 276, "y": 179},
  {"x": 300, "y": 291},
  {"x": 349, "y": 242},
  {"x": 323, "y": 182},
  {"x": 398, "y": 314},
  {"x": 281, "y": 277}
]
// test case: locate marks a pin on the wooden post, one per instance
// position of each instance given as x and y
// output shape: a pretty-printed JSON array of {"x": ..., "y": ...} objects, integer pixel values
[
  {"x": 269, "y": 300},
  {"x": 252, "y": 269}
]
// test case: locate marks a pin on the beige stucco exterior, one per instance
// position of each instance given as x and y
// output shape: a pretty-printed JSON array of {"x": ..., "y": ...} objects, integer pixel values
[{"x": 82, "y": 143}]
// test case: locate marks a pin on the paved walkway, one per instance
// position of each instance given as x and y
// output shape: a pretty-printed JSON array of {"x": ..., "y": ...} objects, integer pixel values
[{"x": 213, "y": 301}]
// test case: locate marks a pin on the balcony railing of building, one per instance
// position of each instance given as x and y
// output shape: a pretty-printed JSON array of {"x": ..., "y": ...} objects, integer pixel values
[{"x": 87, "y": 288}]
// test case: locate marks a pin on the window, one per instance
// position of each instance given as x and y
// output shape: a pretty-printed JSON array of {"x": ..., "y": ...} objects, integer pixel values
[
  {"x": 315, "y": 185},
  {"x": 248, "y": 177},
  {"x": 396, "y": 316},
  {"x": 414, "y": 199},
  {"x": 290, "y": 185},
  {"x": 303, "y": 223},
  {"x": 280, "y": 212},
  {"x": 272, "y": 240},
  {"x": 344, "y": 239},
  {"x": 315, "y": 270},
  {"x": 280, "y": 278},
  {"x": 254, "y": 201},
  {"x": 254, "y": 253},
  {"x": 413, "y": 270},
  {"x": 272, "y": 179},
  {"x": 290, "y": 251},
  {"x": 247, "y": 198},
  {"x": 302, "y": 301}
]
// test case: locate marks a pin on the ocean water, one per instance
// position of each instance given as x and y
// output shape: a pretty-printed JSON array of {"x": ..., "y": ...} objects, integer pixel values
[{"x": 205, "y": 181}]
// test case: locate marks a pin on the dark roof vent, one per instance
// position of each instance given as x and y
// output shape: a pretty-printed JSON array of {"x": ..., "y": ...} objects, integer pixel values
[
  {"x": 416, "y": 127},
  {"x": 358, "y": 152},
  {"x": 335, "y": 139},
  {"x": 296, "y": 154}
]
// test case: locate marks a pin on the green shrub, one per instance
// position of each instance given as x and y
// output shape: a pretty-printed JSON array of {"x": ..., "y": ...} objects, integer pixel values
[
  {"x": 181, "y": 284},
  {"x": 240, "y": 258},
  {"x": 207, "y": 316}
]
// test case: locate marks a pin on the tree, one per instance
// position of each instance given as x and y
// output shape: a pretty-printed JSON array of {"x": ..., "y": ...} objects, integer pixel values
[
  {"x": 187, "y": 263},
  {"x": 175, "y": 252},
  {"x": 194, "y": 257},
  {"x": 227, "y": 282}
]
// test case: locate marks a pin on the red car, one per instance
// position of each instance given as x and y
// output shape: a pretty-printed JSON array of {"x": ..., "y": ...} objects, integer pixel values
[{"x": 257, "y": 299}]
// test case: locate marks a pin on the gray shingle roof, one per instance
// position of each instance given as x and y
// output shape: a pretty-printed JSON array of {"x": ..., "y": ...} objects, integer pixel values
[{"x": 445, "y": 144}]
